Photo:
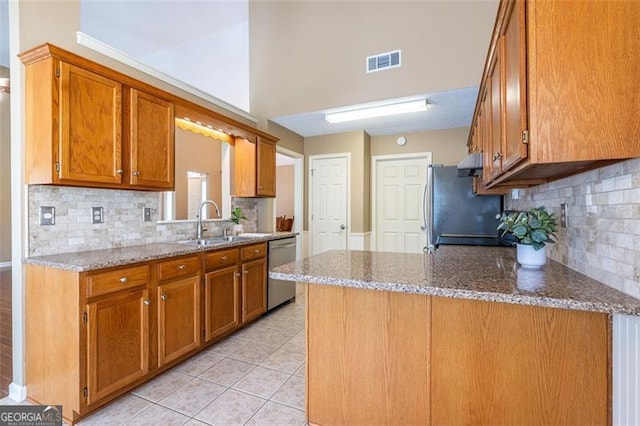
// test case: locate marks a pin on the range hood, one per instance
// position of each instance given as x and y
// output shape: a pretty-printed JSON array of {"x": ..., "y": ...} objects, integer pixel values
[{"x": 471, "y": 165}]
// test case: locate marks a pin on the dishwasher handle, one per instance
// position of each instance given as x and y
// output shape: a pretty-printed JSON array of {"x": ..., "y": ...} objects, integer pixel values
[{"x": 273, "y": 247}]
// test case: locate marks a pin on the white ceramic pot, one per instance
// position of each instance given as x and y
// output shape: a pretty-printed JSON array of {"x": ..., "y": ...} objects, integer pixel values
[
  {"x": 237, "y": 229},
  {"x": 530, "y": 258}
]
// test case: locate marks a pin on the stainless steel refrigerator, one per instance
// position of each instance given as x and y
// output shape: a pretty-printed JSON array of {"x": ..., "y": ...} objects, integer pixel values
[{"x": 454, "y": 215}]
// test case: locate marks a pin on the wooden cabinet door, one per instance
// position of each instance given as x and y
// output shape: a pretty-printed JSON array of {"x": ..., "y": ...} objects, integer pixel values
[
  {"x": 151, "y": 141},
  {"x": 117, "y": 342},
  {"x": 515, "y": 90},
  {"x": 178, "y": 318},
  {"x": 499, "y": 363},
  {"x": 244, "y": 170},
  {"x": 90, "y": 115},
  {"x": 266, "y": 173},
  {"x": 254, "y": 289},
  {"x": 221, "y": 302},
  {"x": 495, "y": 106}
]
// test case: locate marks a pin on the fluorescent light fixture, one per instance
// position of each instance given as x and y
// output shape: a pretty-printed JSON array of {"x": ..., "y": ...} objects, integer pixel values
[{"x": 377, "y": 111}]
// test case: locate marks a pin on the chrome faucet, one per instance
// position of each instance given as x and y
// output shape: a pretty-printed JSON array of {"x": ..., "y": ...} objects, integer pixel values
[{"x": 199, "y": 229}]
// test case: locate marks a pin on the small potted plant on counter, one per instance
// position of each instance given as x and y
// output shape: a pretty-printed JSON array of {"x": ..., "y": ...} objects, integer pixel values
[
  {"x": 236, "y": 217},
  {"x": 533, "y": 229}
]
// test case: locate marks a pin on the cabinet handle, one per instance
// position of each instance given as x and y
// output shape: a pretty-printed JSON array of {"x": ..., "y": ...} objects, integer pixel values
[
  {"x": 119, "y": 171},
  {"x": 224, "y": 258},
  {"x": 123, "y": 280},
  {"x": 237, "y": 274},
  {"x": 496, "y": 156},
  {"x": 147, "y": 302},
  {"x": 136, "y": 173},
  {"x": 182, "y": 267},
  {"x": 164, "y": 297},
  {"x": 256, "y": 251},
  {"x": 246, "y": 272}
]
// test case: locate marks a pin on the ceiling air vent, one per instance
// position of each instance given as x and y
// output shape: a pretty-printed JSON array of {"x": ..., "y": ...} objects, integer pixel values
[{"x": 383, "y": 61}]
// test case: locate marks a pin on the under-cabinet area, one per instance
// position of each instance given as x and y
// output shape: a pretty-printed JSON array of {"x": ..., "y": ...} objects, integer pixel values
[{"x": 96, "y": 334}]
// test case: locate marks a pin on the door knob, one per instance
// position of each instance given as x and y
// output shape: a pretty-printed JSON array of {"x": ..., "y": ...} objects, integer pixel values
[
  {"x": 422, "y": 228},
  {"x": 343, "y": 227}
]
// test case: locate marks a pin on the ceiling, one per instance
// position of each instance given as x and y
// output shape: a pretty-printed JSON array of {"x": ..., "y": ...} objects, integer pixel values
[
  {"x": 190, "y": 20},
  {"x": 445, "y": 110}
]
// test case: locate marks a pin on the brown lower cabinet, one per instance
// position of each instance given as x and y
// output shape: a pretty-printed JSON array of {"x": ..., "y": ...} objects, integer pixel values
[
  {"x": 92, "y": 336},
  {"x": 397, "y": 358}
]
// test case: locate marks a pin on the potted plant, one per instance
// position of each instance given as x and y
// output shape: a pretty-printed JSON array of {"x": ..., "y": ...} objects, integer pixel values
[
  {"x": 533, "y": 229},
  {"x": 236, "y": 217}
]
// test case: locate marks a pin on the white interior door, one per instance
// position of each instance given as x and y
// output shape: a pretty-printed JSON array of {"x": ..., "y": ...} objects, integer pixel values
[
  {"x": 329, "y": 208},
  {"x": 399, "y": 187}
]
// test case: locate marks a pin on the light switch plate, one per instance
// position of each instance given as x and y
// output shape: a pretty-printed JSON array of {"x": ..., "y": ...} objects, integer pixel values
[
  {"x": 97, "y": 215},
  {"x": 47, "y": 215},
  {"x": 564, "y": 216},
  {"x": 146, "y": 214}
]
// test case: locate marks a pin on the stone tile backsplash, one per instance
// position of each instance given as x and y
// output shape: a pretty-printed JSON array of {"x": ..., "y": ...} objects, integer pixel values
[
  {"x": 602, "y": 239},
  {"x": 123, "y": 223}
]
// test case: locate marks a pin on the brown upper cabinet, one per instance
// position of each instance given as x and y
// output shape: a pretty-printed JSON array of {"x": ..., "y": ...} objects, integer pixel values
[
  {"x": 561, "y": 78},
  {"x": 255, "y": 168},
  {"x": 87, "y": 128}
]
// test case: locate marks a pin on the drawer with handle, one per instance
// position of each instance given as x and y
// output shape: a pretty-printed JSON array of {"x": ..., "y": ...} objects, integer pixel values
[
  {"x": 178, "y": 268},
  {"x": 117, "y": 279},
  {"x": 216, "y": 259},
  {"x": 253, "y": 251}
]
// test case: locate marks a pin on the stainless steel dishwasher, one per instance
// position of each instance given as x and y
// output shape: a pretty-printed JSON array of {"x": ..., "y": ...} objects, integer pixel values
[{"x": 279, "y": 291}]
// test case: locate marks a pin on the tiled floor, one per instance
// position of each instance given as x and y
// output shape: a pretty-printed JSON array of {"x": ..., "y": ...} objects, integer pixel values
[{"x": 254, "y": 377}]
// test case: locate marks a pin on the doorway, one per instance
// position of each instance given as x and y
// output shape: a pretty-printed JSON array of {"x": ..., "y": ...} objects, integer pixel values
[
  {"x": 329, "y": 195},
  {"x": 397, "y": 199},
  {"x": 289, "y": 193}
]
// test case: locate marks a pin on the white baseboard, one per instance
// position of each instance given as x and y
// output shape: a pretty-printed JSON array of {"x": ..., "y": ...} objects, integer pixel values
[
  {"x": 360, "y": 241},
  {"x": 5, "y": 264},
  {"x": 17, "y": 393}
]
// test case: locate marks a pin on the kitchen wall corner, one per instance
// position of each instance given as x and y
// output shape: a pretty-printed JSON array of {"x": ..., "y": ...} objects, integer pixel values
[{"x": 602, "y": 239}]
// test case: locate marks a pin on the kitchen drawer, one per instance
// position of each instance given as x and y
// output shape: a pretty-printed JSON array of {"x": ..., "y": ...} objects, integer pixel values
[
  {"x": 181, "y": 267},
  {"x": 117, "y": 279},
  {"x": 216, "y": 259},
  {"x": 253, "y": 251}
]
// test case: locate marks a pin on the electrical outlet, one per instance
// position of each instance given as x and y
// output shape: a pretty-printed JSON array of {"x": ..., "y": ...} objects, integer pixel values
[
  {"x": 564, "y": 215},
  {"x": 146, "y": 215},
  {"x": 97, "y": 215},
  {"x": 47, "y": 215}
]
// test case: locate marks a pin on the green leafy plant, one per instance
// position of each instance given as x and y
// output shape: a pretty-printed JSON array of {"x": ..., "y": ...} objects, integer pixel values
[
  {"x": 237, "y": 216},
  {"x": 535, "y": 227}
]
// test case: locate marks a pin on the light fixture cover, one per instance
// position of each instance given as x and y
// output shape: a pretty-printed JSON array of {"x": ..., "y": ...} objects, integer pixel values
[{"x": 377, "y": 111}]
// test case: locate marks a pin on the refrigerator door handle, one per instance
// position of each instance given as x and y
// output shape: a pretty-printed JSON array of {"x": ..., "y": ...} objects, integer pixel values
[{"x": 427, "y": 213}]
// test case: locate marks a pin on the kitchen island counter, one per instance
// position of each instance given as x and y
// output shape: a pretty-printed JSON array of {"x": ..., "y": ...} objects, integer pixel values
[{"x": 467, "y": 272}]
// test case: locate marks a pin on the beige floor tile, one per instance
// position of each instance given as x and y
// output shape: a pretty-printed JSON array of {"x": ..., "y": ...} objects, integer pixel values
[
  {"x": 262, "y": 382},
  {"x": 231, "y": 408},
  {"x": 265, "y": 335},
  {"x": 157, "y": 415},
  {"x": 228, "y": 345},
  {"x": 291, "y": 393},
  {"x": 253, "y": 353},
  {"x": 302, "y": 371},
  {"x": 193, "y": 396},
  {"x": 118, "y": 412},
  {"x": 284, "y": 360},
  {"x": 194, "y": 422},
  {"x": 162, "y": 385},
  {"x": 272, "y": 414},
  {"x": 295, "y": 345},
  {"x": 227, "y": 372},
  {"x": 199, "y": 363}
]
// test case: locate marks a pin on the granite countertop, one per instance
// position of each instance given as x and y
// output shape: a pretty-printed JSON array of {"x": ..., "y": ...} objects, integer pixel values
[
  {"x": 91, "y": 260},
  {"x": 481, "y": 273}
]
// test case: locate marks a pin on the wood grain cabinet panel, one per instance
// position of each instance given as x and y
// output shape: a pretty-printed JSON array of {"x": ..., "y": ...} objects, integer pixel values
[
  {"x": 221, "y": 302},
  {"x": 254, "y": 289},
  {"x": 254, "y": 168},
  {"x": 497, "y": 363},
  {"x": 117, "y": 342},
  {"x": 568, "y": 88},
  {"x": 178, "y": 318},
  {"x": 151, "y": 141}
]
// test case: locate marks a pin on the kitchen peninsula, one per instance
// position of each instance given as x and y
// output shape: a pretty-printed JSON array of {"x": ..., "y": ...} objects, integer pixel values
[{"x": 461, "y": 337}]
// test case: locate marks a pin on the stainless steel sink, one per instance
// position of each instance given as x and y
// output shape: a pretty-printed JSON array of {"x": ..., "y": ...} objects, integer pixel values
[{"x": 215, "y": 240}]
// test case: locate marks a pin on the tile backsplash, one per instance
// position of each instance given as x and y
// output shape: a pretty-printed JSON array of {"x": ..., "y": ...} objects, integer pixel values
[
  {"x": 123, "y": 220},
  {"x": 602, "y": 238}
]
